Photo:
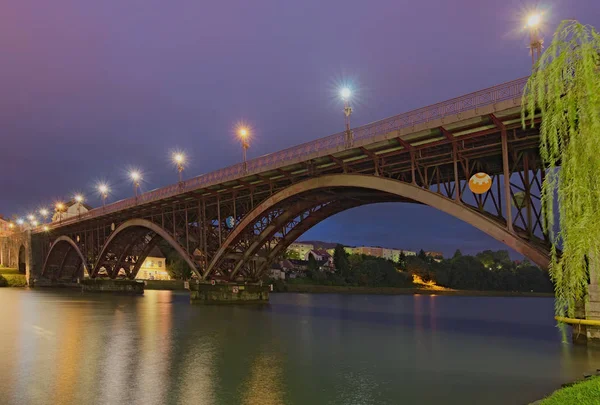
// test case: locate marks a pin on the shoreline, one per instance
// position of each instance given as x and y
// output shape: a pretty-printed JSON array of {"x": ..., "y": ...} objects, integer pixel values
[{"x": 326, "y": 289}]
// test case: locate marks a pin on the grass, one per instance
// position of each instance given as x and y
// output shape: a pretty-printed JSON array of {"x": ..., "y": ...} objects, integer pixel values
[
  {"x": 13, "y": 277},
  {"x": 586, "y": 392},
  {"x": 6, "y": 270}
]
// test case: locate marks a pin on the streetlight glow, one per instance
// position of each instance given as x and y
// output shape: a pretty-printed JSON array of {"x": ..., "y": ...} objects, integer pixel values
[
  {"x": 179, "y": 158},
  {"x": 34, "y": 223},
  {"x": 79, "y": 198},
  {"x": 44, "y": 212},
  {"x": 103, "y": 189},
  {"x": 534, "y": 20},
  {"x": 46, "y": 228},
  {"x": 60, "y": 206},
  {"x": 135, "y": 175},
  {"x": 11, "y": 225},
  {"x": 20, "y": 221},
  {"x": 30, "y": 217},
  {"x": 345, "y": 93},
  {"x": 243, "y": 132}
]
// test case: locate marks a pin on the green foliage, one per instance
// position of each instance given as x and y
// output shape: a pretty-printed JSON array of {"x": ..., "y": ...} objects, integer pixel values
[
  {"x": 3, "y": 282},
  {"x": 585, "y": 392},
  {"x": 340, "y": 261},
  {"x": 565, "y": 88},
  {"x": 178, "y": 268},
  {"x": 421, "y": 255}
]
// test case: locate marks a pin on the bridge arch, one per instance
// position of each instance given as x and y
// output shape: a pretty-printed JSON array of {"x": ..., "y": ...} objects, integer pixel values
[
  {"x": 63, "y": 251},
  {"x": 138, "y": 229},
  {"x": 392, "y": 188}
]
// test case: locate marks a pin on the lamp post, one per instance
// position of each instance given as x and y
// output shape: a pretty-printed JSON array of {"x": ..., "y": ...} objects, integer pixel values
[
  {"x": 179, "y": 160},
  {"x": 59, "y": 209},
  {"x": 243, "y": 133},
  {"x": 103, "y": 190},
  {"x": 79, "y": 201},
  {"x": 44, "y": 213},
  {"x": 345, "y": 94},
  {"x": 136, "y": 177},
  {"x": 535, "y": 40}
]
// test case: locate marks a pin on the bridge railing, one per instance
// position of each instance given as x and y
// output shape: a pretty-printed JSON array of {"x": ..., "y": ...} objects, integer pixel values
[{"x": 324, "y": 146}]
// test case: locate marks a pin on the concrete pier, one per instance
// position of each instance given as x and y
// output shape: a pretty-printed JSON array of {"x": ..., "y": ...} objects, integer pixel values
[
  {"x": 117, "y": 286},
  {"x": 205, "y": 293}
]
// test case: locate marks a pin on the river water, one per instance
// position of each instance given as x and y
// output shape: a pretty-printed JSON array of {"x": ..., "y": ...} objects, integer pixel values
[{"x": 62, "y": 347}]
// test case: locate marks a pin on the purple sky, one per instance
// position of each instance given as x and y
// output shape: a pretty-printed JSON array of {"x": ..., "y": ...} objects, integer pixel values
[{"x": 91, "y": 88}]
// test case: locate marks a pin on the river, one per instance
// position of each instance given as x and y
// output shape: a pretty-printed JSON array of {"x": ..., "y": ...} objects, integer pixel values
[{"x": 62, "y": 347}]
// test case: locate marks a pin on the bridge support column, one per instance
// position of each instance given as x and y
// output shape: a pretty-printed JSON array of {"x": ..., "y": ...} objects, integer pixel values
[
  {"x": 590, "y": 310},
  {"x": 204, "y": 293}
]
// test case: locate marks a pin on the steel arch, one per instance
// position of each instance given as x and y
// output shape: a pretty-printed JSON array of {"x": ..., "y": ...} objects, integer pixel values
[
  {"x": 73, "y": 246},
  {"x": 143, "y": 223},
  {"x": 393, "y": 187}
]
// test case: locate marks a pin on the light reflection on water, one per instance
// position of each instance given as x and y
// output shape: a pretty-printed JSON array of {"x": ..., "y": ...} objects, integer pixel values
[{"x": 61, "y": 347}]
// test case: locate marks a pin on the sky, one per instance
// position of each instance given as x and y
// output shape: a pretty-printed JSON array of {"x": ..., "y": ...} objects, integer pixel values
[{"x": 90, "y": 89}]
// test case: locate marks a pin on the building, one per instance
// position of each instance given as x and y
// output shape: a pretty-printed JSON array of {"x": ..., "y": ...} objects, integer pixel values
[
  {"x": 70, "y": 209},
  {"x": 4, "y": 226},
  {"x": 154, "y": 267},
  {"x": 435, "y": 255},
  {"x": 299, "y": 250}
]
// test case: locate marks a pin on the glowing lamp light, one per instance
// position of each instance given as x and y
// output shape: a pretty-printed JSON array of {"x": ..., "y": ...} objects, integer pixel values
[
  {"x": 11, "y": 225},
  {"x": 44, "y": 212},
  {"x": 46, "y": 229},
  {"x": 30, "y": 217},
  {"x": 534, "y": 20},
  {"x": 480, "y": 183},
  {"x": 243, "y": 132},
  {"x": 34, "y": 223},
  {"x": 345, "y": 93},
  {"x": 20, "y": 221},
  {"x": 60, "y": 206},
  {"x": 135, "y": 175},
  {"x": 79, "y": 198},
  {"x": 103, "y": 189},
  {"x": 178, "y": 158}
]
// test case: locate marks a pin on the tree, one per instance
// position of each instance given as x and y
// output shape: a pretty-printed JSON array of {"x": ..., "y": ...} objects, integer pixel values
[
  {"x": 340, "y": 261},
  {"x": 402, "y": 260},
  {"x": 457, "y": 254},
  {"x": 177, "y": 267},
  {"x": 422, "y": 255},
  {"x": 313, "y": 266},
  {"x": 565, "y": 88}
]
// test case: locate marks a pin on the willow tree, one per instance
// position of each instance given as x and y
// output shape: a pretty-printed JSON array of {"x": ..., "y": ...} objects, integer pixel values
[{"x": 565, "y": 88}]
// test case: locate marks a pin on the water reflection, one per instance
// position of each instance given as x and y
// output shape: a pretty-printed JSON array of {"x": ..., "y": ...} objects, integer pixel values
[{"x": 67, "y": 348}]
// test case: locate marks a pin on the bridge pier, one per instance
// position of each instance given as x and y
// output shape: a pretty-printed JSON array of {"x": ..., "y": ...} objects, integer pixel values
[
  {"x": 204, "y": 293},
  {"x": 590, "y": 310}
]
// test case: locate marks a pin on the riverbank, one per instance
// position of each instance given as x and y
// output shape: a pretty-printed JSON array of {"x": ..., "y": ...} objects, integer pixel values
[
  {"x": 586, "y": 392},
  {"x": 333, "y": 289},
  {"x": 12, "y": 278}
]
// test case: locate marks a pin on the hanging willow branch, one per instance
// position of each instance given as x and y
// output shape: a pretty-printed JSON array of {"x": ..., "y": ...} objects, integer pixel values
[{"x": 565, "y": 88}]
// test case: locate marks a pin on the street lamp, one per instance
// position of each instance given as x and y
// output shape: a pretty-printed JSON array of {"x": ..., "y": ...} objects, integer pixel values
[
  {"x": 20, "y": 221},
  {"x": 34, "y": 223},
  {"x": 345, "y": 94},
  {"x": 59, "y": 209},
  {"x": 136, "y": 177},
  {"x": 244, "y": 133},
  {"x": 44, "y": 213},
  {"x": 179, "y": 160},
  {"x": 103, "y": 190},
  {"x": 79, "y": 200},
  {"x": 30, "y": 217},
  {"x": 534, "y": 21}
]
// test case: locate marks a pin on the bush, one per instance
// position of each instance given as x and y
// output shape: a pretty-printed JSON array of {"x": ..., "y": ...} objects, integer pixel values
[
  {"x": 15, "y": 280},
  {"x": 3, "y": 282}
]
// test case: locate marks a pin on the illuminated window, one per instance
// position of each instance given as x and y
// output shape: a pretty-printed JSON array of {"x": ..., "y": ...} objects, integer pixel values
[{"x": 160, "y": 264}]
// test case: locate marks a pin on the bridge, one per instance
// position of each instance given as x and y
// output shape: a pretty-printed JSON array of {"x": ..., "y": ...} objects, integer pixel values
[{"x": 231, "y": 224}]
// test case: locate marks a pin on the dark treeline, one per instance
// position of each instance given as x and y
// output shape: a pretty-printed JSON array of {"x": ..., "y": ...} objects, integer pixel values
[{"x": 487, "y": 270}]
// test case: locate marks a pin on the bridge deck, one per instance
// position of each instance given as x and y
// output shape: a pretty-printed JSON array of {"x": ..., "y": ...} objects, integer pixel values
[{"x": 429, "y": 130}]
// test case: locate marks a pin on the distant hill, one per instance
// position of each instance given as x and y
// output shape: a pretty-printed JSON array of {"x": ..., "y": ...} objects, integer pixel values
[{"x": 320, "y": 244}]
